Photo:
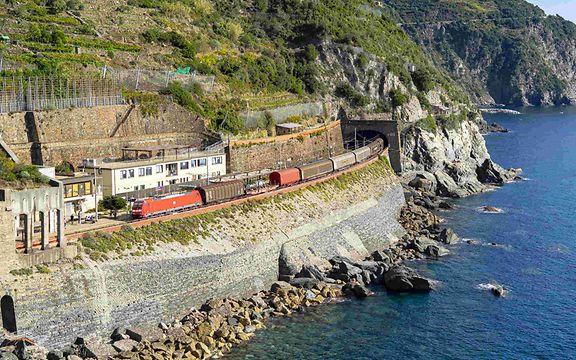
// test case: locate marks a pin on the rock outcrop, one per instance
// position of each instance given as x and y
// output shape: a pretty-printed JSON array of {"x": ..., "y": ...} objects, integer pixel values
[{"x": 452, "y": 162}]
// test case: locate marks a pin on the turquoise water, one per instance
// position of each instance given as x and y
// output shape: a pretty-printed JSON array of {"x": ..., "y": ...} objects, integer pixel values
[{"x": 537, "y": 234}]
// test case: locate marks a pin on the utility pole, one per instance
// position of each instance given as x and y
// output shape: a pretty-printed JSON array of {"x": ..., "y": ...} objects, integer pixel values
[{"x": 95, "y": 191}]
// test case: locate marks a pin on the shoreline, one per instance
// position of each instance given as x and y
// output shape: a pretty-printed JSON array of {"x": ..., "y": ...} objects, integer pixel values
[{"x": 219, "y": 325}]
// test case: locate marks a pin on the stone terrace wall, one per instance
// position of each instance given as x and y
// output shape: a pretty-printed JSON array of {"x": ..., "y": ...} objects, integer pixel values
[
  {"x": 49, "y": 137},
  {"x": 244, "y": 156},
  {"x": 140, "y": 292}
]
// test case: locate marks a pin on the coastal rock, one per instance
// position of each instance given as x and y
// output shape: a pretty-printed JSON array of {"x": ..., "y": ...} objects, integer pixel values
[
  {"x": 311, "y": 271},
  {"x": 305, "y": 283},
  {"x": 448, "y": 236},
  {"x": 498, "y": 290},
  {"x": 491, "y": 173},
  {"x": 436, "y": 251},
  {"x": 124, "y": 345},
  {"x": 495, "y": 127},
  {"x": 404, "y": 279},
  {"x": 447, "y": 186}
]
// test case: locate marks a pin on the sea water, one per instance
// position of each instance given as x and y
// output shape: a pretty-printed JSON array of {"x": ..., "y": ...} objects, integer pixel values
[{"x": 533, "y": 256}]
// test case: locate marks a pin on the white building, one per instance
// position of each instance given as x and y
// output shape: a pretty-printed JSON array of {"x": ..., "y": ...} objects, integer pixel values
[
  {"x": 80, "y": 193},
  {"x": 130, "y": 178}
]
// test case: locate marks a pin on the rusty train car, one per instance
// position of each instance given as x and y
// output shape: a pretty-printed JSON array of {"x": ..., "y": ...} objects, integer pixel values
[{"x": 320, "y": 168}]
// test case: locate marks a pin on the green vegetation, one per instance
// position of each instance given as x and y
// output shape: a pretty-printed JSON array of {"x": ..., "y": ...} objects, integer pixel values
[
  {"x": 507, "y": 34},
  {"x": 22, "y": 272},
  {"x": 398, "y": 98},
  {"x": 428, "y": 124},
  {"x": 355, "y": 98},
  {"x": 101, "y": 246},
  {"x": 43, "y": 269},
  {"x": 113, "y": 204},
  {"x": 21, "y": 174}
]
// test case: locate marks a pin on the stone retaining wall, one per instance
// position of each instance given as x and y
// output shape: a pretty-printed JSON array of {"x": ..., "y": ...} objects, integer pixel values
[{"x": 141, "y": 292}]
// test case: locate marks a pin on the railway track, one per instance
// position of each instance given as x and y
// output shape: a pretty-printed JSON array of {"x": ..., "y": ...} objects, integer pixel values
[{"x": 202, "y": 209}]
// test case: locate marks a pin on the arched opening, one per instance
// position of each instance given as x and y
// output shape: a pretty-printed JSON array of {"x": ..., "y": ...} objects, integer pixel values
[
  {"x": 364, "y": 137},
  {"x": 8, "y": 314}
]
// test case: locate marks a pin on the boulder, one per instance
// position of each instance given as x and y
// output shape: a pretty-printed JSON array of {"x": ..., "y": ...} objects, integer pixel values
[
  {"x": 491, "y": 173},
  {"x": 124, "y": 345},
  {"x": 404, "y": 279},
  {"x": 381, "y": 256},
  {"x": 436, "y": 251},
  {"x": 447, "y": 186},
  {"x": 134, "y": 335},
  {"x": 305, "y": 283},
  {"x": 119, "y": 334},
  {"x": 311, "y": 271},
  {"x": 276, "y": 285},
  {"x": 498, "y": 290},
  {"x": 361, "y": 291},
  {"x": 53, "y": 355},
  {"x": 285, "y": 267},
  {"x": 448, "y": 236},
  {"x": 421, "y": 244}
]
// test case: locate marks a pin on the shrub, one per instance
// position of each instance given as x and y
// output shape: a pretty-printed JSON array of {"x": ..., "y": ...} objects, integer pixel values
[
  {"x": 423, "y": 80},
  {"x": 22, "y": 272},
  {"x": 398, "y": 98},
  {"x": 43, "y": 269},
  {"x": 356, "y": 99},
  {"x": 428, "y": 124},
  {"x": 113, "y": 204}
]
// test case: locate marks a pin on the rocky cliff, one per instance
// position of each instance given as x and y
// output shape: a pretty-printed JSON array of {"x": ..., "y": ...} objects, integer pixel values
[{"x": 504, "y": 52}]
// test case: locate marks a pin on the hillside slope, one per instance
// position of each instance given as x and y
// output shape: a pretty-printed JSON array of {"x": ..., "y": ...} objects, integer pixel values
[{"x": 501, "y": 51}]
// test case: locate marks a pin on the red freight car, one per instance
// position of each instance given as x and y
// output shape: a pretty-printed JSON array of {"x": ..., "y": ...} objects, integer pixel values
[
  {"x": 157, "y": 206},
  {"x": 285, "y": 177}
]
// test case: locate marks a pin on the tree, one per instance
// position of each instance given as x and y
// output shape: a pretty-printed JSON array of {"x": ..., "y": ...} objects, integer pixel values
[{"x": 113, "y": 204}]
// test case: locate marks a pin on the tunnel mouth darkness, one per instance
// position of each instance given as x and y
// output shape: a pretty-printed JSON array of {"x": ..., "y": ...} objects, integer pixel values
[{"x": 8, "y": 314}]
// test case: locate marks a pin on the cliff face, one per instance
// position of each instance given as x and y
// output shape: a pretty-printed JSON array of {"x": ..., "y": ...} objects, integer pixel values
[
  {"x": 452, "y": 161},
  {"x": 505, "y": 52}
]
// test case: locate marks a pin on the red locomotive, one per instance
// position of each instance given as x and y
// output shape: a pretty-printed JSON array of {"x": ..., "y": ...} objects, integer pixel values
[{"x": 157, "y": 206}]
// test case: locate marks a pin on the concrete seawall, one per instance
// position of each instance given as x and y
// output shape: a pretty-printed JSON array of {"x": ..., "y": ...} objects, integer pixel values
[{"x": 140, "y": 292}]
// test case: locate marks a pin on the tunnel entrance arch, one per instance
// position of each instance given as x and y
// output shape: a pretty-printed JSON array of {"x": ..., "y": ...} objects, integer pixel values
[{"x": 8, "y": 314}]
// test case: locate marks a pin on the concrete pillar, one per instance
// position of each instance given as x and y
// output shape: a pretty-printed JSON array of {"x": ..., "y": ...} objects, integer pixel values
[
  {"x": 60, "y": 228},
  {"x": 395, "y": 149},
  {"x": 44, "y": 224},
  {"x": 29, "y": 233}
]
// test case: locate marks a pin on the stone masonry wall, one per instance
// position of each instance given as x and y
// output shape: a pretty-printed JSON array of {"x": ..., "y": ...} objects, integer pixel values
[
  {"x": 140, "y": 292},
  {"x": 294, "y": 152},
  {"x": 50, "y": 137}
]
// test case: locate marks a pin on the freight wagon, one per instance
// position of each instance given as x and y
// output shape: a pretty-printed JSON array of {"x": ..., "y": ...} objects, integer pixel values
[
  {"x": 376, "y": 146},
  {"x": 219, "y": 192},
  {"x": 343, "y": 161},
  {"x": 285, "y": 177},
  {"x": 316, "y": 169},
  {"x": 164, "y": 205},
  {"x": 362, "y": 154}
]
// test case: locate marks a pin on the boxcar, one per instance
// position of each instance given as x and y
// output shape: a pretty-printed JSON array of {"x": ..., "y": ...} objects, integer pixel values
[
  {"x": 376, "y": 146},
  {"x": 362, "y": 154},
  {"x": 285, "y": 177},
  {"x": 343, "y": 161},
  {"x": 157, "y": 206},
  {"x": 219, "y": 192},
  {"x": 316, "y": 169}
]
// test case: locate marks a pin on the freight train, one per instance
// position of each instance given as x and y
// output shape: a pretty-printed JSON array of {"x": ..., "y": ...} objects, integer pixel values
[{"x": 224, "y": 191}]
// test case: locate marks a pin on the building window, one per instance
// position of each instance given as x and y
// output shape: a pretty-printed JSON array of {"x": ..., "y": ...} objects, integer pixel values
[
  {"x": 160, "y": 184},
  {"x": 172, "y": 182},
  {"x": 88, "y": 188},
  {"x": 201, "y": 162},
  {"x": 141, "y": 172},
  {"x": 142, "y": 187},
  {"x": 131, "y": 173},
  {"x": 172, "y": 169},
  {"x": 194, "y": 163},
  {"x": 217, "y": 160},
  {"x": 185, "y": 165},
  {"x": 123, "y": 174},
  {"x": 159, "y": 169},
  {"x": 149, "y": 171},
  {"x": 136, "y": 188}
]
